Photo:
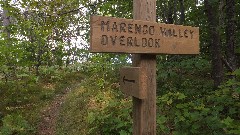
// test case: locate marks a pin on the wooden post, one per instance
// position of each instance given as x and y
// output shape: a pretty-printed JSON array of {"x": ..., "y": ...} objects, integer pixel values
[
  {"x": 144, "y": 38},
  {"x": 144, "y": 110}
]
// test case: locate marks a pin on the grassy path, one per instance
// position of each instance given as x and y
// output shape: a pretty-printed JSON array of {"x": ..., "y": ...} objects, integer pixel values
[
  {"x": 47, "y": 125},
  {"x": 87, "y": 109},
  {"x": 72, "y": 117}
]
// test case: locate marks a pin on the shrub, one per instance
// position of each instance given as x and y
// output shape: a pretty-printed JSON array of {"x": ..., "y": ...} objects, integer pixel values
[
  {"x": 114, "y": 119},
  {"x": 216, "y": 112},
  {"x": 15, "y": 124}
]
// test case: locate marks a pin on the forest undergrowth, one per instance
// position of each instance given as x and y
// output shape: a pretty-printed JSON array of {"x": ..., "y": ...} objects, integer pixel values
[
  {"x": 23, "y": 100},
  {"x": 44, "y": 50}
]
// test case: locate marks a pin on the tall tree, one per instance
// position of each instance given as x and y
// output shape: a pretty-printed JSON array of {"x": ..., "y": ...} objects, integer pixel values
[
  {"x": 211, "y": 9},
  {"x": 230, "y": 33},
  {"x": 182, "y": 10},
  {"x": 170, "y": 13},
  {"x": 6, "y": 31},
  {"x": 6, "y": 21}
]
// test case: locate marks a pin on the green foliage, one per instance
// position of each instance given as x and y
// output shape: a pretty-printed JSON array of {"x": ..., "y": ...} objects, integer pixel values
[
  {"x": 30, "y": 93},
  {"x": 112, "y": 119},
  {"x": 120, "y": 8},
  {"x": 181, "y": 117},
  {"x": 15, "y": 124},
  {"x": 40, "y": 59},
  {"x": 103, "y": 109},
  {"x": 40, "y": 36},
  {"x": 73, "y": 112},
  {"x": 52, "y": 73},
  {"x": 216, "y": 112},
  {"x": 183, "y": 74}
]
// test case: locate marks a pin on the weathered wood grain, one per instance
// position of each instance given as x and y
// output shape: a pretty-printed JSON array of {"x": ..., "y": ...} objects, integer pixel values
[
  {"x": 120, "y": 35},
  {"x": 144, "y": 110},
  {"x": 133, "y": 82}
]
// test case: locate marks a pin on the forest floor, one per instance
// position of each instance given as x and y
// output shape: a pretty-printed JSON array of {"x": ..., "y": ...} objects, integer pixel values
[{"x": 49, "y": 115}]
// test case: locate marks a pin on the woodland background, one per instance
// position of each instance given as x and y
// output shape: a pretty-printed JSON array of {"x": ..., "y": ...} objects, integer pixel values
[{"x": 44, "y": 52}]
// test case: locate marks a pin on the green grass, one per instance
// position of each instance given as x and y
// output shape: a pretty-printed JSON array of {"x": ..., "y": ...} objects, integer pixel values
[
  {"x": 71, "y": 120},
  {"x": 24, "y": 100},
  {"x": 90, "y": 109}
]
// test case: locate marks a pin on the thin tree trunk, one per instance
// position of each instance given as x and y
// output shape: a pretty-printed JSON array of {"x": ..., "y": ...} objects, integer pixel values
[
  {"x": 230, "y": 33},
  {"x": 175, "y": 12},
  {"x": 170, "y": 13},
  {"x": 6, "y": 22},
  {"x": 39, "y": 58},
  {"x": 182, "y": 10},
  {"x": 215, "y": 47}
]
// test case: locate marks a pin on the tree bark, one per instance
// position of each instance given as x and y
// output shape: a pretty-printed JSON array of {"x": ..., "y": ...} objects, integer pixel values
[
  {"x": 170, "y": 19},
  {"x": 230, "y": 33},
  {"x": 175, "y": 12},
  {"x": 215, "y": 47},
  {"x": 182, "y": 10},
  {"x": 6, "y": 22}
]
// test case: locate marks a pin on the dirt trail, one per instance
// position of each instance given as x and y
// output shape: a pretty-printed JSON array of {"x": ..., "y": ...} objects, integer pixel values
[{"x": 50, "y": 114}]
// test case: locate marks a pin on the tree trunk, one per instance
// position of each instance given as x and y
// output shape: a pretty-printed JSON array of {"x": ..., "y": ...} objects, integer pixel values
[
  {"x": 39, "y": 58},
  {"x": 215, "y": 46},
  {"x": 170, "y": 13},
  {"x": 6, "y": 22},
  {"x": 182, "y": 10},
  {"x": 175, "y": 12},
  {"x": 230, "y": 33}
]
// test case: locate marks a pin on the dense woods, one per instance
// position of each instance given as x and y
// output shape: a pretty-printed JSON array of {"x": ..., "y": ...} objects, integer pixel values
[{"x": 44, "y": 50}]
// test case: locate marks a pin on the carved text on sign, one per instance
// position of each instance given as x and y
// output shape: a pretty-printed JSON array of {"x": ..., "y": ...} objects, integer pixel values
[{"x": 133, "y": 36}]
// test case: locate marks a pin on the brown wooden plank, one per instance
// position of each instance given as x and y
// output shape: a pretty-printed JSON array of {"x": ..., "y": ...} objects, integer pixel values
[
  {"x": 133, "y": 82},
  {"x": 144, "y": 110},
  {"x": 110, "y": 34}
]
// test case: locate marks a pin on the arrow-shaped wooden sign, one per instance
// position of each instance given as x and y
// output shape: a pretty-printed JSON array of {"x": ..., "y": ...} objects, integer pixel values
[{"x": 132, "y": 82}]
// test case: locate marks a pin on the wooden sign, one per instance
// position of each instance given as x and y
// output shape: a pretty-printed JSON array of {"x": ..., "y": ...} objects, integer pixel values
[
  {"x": 110, "y": 34},
  {"x": 132, "y": 82}
]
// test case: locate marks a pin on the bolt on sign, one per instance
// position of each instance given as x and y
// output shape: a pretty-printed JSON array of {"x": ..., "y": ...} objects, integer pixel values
[{"x": 120, "y": 35}]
